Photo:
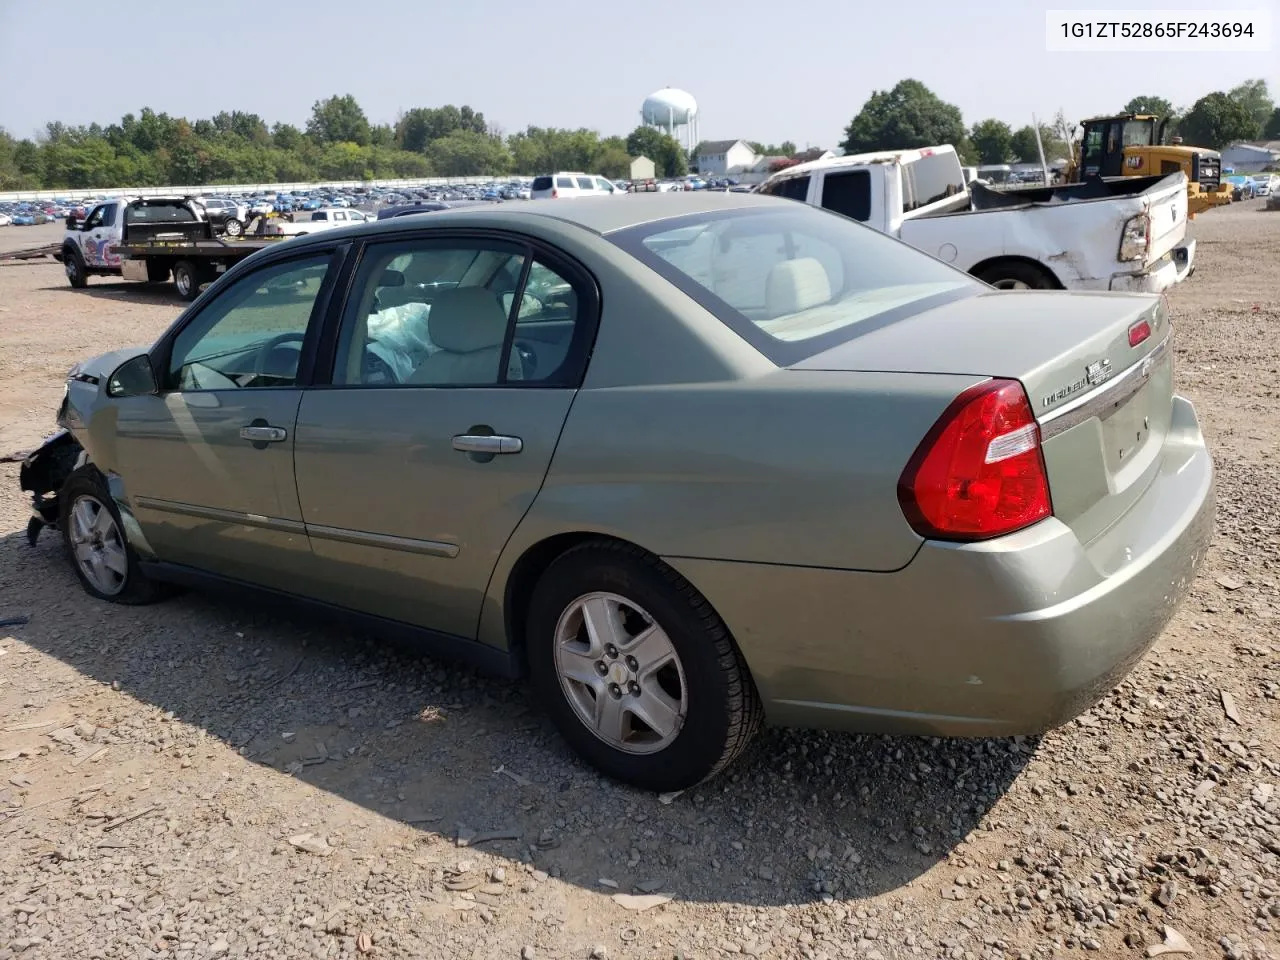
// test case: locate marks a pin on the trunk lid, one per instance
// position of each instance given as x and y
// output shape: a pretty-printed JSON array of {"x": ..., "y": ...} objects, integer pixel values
[{"x": 1104, "y": 406}]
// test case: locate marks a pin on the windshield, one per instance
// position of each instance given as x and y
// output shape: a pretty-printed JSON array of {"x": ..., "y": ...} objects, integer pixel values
[{"x": 796, "y": 280}]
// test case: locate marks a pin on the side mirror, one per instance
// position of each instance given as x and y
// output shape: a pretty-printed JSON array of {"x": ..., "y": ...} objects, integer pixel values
[
  {"x": 72, "y": 222},
  {"x": 391, "y": 278},
  {"x": 133, "y": 378}
]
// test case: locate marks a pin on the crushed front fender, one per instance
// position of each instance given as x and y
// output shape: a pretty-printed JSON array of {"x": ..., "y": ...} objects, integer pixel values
[{"x": 42, "y": 474}]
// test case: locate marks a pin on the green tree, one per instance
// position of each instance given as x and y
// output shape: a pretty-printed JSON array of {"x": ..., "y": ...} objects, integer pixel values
[
  {"x": 1157, "y": 106},
  {"x": 786, "y": 148},
  {"x": 285, "y": 136},
  {"x": 910, "y": 115},
  {"x": 1024, "y": 148},
  {"x": 1216, "y": 120},
  {"x": 666, "y": 153},
  {"x": 1272, "y": 130},
  {"x": 419, "y": 127},
  {"x": 338, "y": 120},
  {"x": 612, "y": 159},
  {"x": 1255, "y": 98},
  {"x": 992, "y": 140},
  {"x": 467, "y": 153}
]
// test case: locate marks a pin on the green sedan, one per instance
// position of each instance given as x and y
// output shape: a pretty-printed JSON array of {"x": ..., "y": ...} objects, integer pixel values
[{"x": 689, "y": 463}]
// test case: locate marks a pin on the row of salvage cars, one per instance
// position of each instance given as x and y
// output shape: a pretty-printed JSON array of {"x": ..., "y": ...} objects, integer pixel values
[{"x": 687, "y": 462}]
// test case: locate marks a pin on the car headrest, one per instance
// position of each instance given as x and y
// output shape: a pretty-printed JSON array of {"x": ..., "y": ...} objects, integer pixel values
[
  {"x": 795, "y": 285},
  {"x": 466, "y": 319}
]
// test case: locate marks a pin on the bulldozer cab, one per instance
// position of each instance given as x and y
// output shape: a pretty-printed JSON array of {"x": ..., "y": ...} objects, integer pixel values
[{"x": 1104, "y": 139}]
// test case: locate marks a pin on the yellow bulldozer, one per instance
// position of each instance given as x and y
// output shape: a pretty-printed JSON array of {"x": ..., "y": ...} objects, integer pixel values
[{"x": 1132, "y": 145}]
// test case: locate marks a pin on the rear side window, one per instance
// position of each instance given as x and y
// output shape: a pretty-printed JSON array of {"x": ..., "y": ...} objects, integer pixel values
[
  {"x": 793, "y": 188},
  {"x": 585, "y": 183},
  {"x": 541, "y": 183},
  {"x": 564, "y": 182},
  {"x": 792, "y": 279},
  {"x": 929, "y": 179},
  {"x": 848, "y": 193}
]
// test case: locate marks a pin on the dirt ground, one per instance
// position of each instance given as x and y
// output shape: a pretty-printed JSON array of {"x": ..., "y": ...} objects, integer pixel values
[{"x": 200, "y": 779}]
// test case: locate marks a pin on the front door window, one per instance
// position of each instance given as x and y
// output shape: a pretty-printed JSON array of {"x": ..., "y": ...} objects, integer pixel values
[{"x": 252, "y": 334}]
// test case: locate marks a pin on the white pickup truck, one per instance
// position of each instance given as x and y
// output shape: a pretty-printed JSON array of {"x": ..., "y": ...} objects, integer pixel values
[
  {"x": 1124, "y": 233},
  {"x": 300, "y": 224}
]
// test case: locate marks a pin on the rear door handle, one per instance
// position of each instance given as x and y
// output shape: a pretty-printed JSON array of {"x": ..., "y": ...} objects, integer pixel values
[
  {"x": 487, "y": 443},
  {"x": 259, "y": 434}
]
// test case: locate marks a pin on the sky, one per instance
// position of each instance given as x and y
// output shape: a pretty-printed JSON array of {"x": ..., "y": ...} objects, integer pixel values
[{"x": 760, "y": 70}]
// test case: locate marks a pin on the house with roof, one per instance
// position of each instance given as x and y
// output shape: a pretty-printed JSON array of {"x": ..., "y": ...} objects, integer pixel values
[
  {"x": 724, "y": 158},
  {"x": 1251, "y": 156}
]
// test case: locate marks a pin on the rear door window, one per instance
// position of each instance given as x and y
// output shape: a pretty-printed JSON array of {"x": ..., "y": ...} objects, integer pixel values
[
  {"x": 848, "y": 192},
  {"x": 584, "y": 183},
  {"x": 793, "y": 188}
]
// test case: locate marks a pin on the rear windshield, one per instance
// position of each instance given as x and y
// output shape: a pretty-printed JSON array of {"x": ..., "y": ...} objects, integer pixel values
[
  {"x": 158, "y": 213},
  {"x": 792, "y": 279},
  {"x": 541, "y": 183}
]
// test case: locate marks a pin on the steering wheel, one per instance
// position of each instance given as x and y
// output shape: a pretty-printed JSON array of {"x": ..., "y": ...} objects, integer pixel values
[{"x": 260, "y": 361}]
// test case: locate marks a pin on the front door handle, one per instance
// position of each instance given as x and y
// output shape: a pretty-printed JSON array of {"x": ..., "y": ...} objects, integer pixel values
[
  {"x": 261, "y": 434},
  {"x": 487, "y": 443}
]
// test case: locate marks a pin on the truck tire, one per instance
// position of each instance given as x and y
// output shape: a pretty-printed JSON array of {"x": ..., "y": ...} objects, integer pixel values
[
  {"x": 186, "y": 280},
  {"x": 73, "y": 264},
  {"x": 1017, "y": 275}
]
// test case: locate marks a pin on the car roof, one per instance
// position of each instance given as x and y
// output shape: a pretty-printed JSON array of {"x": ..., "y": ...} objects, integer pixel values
[{"x": 602, "y": 215}]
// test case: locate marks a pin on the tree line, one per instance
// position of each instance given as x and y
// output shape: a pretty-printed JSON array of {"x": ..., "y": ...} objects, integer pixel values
[
  {"x": 338, "y": 143},
  {"x": 911, "y": 115}
]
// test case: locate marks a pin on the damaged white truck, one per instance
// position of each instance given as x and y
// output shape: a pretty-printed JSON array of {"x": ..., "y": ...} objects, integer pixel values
[{"x": 1121, "y": 233}]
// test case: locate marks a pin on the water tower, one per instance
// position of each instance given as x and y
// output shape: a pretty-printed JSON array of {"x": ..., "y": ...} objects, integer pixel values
[{"x": 674, "y": 112}]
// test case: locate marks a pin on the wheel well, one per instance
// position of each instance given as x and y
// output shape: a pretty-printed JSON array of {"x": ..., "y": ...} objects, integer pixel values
[
  {"x": 524, "y": 577},
  {"x": 979, "y": 268}
]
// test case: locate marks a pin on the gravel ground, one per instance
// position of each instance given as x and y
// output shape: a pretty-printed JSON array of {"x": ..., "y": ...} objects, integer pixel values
[{"x": 200, "y": 779}]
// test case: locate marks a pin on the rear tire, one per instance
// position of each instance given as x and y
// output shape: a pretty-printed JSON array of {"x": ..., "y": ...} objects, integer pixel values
[
  {"x": 663, "y": 653},
  {"x": 233, "y": 227},
  {"x": 73, "y": 264},
  {"x": 1015, "y": 275},
  {"x": 100, "y": 554},
  {"x": 185, "y": 280}
]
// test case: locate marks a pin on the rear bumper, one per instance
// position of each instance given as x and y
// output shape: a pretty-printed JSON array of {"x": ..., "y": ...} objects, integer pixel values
[
  {"x": 1012, "y": 636},
  {"x": 1162, "y": 276}
]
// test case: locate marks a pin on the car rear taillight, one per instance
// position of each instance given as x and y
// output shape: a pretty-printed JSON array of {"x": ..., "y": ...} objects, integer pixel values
[
  {"x": 979, "y": 472},
  {"x": 554, "y": 194},
  {"x": 1139, "y": 332}
]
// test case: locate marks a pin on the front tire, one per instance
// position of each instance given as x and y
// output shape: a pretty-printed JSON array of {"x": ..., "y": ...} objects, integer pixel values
[
  {"x": 233, "y": 227},
  {"x": 638, "y": 672},
  {"x": 185, "y": 280},
  {"x": 101, "y": 556},
  {"x": 73, "y": 264}
]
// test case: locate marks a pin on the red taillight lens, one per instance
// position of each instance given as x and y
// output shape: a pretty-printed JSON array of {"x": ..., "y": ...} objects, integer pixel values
[
  {"x": 979, "y": 473},
  {"x": 1139, "y": 332},
  {"x": 555, "y": 194}
]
